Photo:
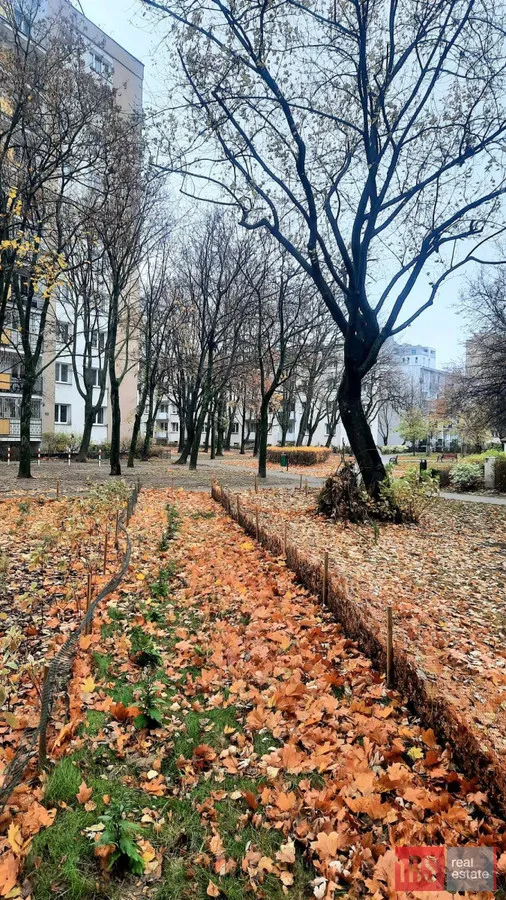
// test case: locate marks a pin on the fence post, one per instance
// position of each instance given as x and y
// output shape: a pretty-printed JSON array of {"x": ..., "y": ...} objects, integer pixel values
[
  {"x": 116, "y": 531},
  {"x": 285, "y": 538},
  {"x": 256, "y": 484},
  {"x": 57, "y": 488},
  {"x": 99, "y": 457},
  {"x": 389, "y": 646},
  {"x": 38, "y": 456},
  {"x": 325, "y": 587},
  {"x": 300, "y": 485},
  {"x": 8, "y": 456},
  {"x": 257, "y": 524},
  {"x": 106, "y": 541}
]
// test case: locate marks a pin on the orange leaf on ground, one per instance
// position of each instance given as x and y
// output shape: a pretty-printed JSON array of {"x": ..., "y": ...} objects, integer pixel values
[{"x": 84, "y": 793}]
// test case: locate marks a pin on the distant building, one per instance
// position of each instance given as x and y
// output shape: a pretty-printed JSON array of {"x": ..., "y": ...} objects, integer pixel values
[
  {"x": 57, "y": 404},
  {"x": 418, "y": 364}
]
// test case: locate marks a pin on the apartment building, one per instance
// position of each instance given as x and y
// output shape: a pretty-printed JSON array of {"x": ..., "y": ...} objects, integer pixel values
[
  {"x": 57, "y": 405},
  {"x": 418, "y": 365}
]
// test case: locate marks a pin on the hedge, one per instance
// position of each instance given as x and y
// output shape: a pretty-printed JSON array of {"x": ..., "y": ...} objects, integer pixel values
[{"x": 299, "y": 456}]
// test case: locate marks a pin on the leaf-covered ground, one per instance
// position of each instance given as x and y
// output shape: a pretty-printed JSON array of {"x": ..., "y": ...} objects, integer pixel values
[
  {"x": 446, "y": 582},
  {"x": 47, "y": 549},
  {"x": 241, "y": 745}
]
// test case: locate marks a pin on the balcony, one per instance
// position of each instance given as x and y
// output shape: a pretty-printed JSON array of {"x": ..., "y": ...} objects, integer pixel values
[
  {"x": 11, "y": 428},
  {"x": 13, "y": 384}
]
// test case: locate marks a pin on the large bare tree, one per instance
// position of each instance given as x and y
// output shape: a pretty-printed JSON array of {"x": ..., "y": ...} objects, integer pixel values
[
  {"x": 367, "y": 136},
  {"x": 50, "y": 116}
]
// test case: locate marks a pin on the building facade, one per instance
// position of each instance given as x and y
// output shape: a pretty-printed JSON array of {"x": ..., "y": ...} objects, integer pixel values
[{"x": 57, "y": 405}]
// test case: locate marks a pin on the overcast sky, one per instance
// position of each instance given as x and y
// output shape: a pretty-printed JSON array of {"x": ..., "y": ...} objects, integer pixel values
[{"x": 439, "y": 327}]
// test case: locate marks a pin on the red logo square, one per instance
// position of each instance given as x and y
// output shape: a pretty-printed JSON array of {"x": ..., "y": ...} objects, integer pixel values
[{"x": 419, "y": 868}]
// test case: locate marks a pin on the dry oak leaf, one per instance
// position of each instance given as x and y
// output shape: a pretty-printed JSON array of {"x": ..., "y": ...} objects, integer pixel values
[
  {"x": 84, "y": 793},
  {"x": 15, "y": 839},
  {"x": 212, "y": 890},
  {"x": 501, "y": 864},
  {"x": 88, "y": 685},
  {"x": 9, "y": 868}
]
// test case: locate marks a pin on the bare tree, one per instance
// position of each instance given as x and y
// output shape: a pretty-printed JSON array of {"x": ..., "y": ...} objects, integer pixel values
[
  {"x": 50, "y": 122},
  {"x": 211, "y": 284},
  {"x": 157, "y": 320},
  {"x": 353, "y": 133},
  {"x": 483, "y": 383}
]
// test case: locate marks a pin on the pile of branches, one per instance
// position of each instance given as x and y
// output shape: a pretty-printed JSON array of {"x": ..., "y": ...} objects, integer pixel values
[{"x": 343, "y": 498}]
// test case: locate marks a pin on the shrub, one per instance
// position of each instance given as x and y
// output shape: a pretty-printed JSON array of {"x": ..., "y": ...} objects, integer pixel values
[
  {"x": 394, "y": 449},
  {"x": 500, "y": 475},
  {"x": 299, "y": 456},
  {"x": 407, "y": 498},
  {"x": 402, "y": 499},
  {"x": 466, "y": 476},
  {"x": 58, "y": 442}
]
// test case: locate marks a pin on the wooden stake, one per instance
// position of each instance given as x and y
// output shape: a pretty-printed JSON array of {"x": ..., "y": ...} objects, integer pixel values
[
  {"x": 116, "y": 531},
  {"x": 238, "y": 507},
  {"x": 389, "y": 646},
  {"x": 325, "y": 586},
  {"x": 300, "y": 485},
  {"x": 172, "y": 483},
  {"x": 257, "y": 523},
  {"x": 306, "y": 487},
  {"x": 106, "y": 541},
  {"x": 256, "y": 484},
  {"x": 88, "y": 601},
  {"x": 285, "y": 537}
]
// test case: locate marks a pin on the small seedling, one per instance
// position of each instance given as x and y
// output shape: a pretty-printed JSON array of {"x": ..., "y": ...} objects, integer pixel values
[
  {"x": 144, "y": 652},
  {"x": 120, "y": 833},
  {"x": 151, "y": 715}
]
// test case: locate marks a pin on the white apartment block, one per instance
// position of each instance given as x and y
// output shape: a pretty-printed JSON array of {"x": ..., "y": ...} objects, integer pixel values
[
  {"x": 58, "y": 405},
  {"x": 167, "y": 428}
]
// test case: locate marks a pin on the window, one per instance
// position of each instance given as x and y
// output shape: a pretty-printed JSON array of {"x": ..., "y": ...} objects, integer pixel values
[
  {"x": 22, "y": 21},
  {"x": 98, "y": 339},
  {"x": 36, "y": 409},
  {"x": 62, "y": 332},
  {"x": 63, "y": 373},
  {"x": 327, "y": 427},
  {"x": 291, "y": 426},
  {"x": 164, "y": 408},
  {"x": 174, "y": 426},
  {"x": 100, "y": 65},
  {"x": 235, "y": 428},
  {"x": 163, "y": 426},
  {"x": 95, "y": 376},
  {"x": 62, "y": 414},
  {"x": 100, "y": 416}
]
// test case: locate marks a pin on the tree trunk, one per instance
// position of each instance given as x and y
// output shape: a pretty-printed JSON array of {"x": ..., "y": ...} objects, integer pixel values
[
  {"x": 208, "y": 435},
  {"x": 116, "y": 422},
  {"x": 243, "y": 428},
  {"x": 231, "y": 420},
  {"x": 257, "y": 438},
  {"x": 263, "y": 432},
  {"x": 25, "y": 418},
  {"x": 194, "y": 453},
  {"x": 219, "y": 427},
  {"x": 359, "y": 433},
  {"x": 82, "y": 456}
]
